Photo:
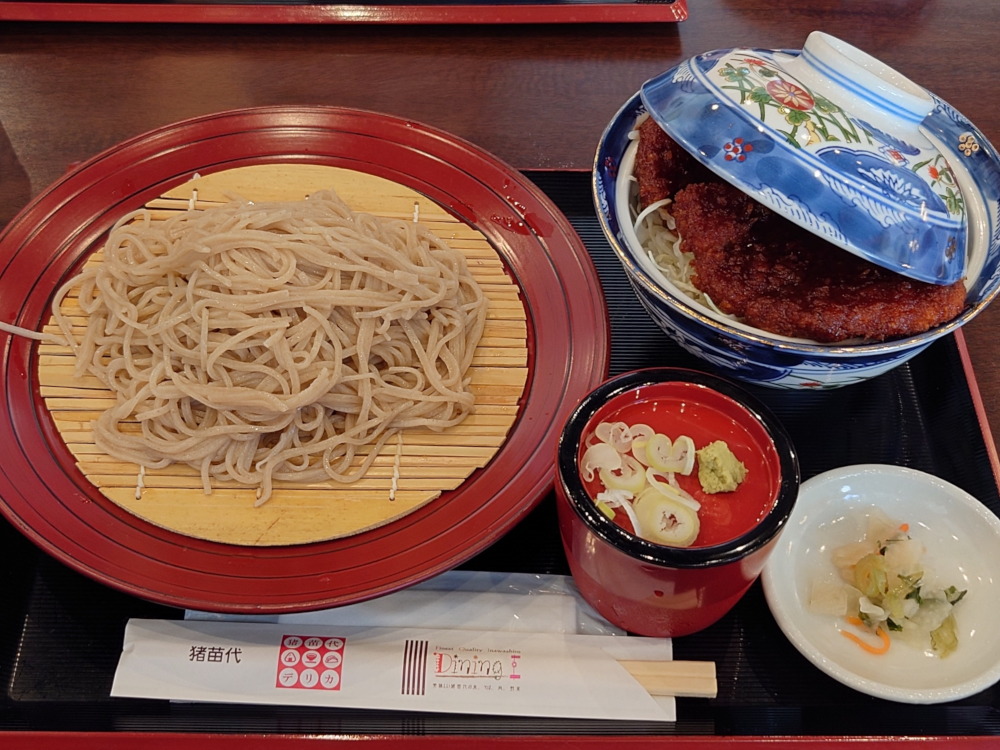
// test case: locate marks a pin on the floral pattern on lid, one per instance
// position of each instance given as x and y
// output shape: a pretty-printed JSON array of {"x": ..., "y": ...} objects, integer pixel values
[{"x": 837, "y": 149}]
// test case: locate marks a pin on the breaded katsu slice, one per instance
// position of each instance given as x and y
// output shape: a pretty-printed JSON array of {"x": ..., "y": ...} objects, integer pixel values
[
  {"x": 662, "y": 166},
  {"x": 777, "y": 276}
]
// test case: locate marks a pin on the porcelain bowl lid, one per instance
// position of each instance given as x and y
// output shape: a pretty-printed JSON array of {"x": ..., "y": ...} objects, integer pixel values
[{"x": 834, "y": 140}]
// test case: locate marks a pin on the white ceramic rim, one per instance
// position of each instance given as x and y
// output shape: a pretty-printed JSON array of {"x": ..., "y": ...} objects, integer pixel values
[{"x": 775, "y": 581}]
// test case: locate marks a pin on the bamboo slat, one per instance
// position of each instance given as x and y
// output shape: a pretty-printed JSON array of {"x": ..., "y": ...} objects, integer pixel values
[{"x": 403, "y": 477}]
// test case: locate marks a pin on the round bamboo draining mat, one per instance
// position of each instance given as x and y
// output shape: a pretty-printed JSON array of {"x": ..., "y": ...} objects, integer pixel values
[{"x": 408, "y": 474}]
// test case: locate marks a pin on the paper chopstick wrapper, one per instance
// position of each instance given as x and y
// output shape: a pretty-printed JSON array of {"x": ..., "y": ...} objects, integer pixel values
[{"x": 409, "y": 669}]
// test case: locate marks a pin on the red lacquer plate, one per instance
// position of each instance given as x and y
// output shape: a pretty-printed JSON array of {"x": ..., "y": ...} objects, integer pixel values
[{"x": 44, "y": 495}]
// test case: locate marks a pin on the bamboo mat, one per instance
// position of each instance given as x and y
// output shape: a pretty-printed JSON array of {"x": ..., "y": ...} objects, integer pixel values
[{"x": 428, "y": 463}]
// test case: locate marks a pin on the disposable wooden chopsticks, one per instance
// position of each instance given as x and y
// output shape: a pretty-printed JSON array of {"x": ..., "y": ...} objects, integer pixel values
[{"x": 684, "y": 679}]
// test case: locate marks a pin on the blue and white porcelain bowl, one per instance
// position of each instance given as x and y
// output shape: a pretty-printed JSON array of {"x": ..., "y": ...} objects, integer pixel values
[{"x": 902, "y": 152}]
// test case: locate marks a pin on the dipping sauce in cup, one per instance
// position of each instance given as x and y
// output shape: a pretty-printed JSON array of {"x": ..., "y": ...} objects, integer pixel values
[{"x": 658, "y": 589}]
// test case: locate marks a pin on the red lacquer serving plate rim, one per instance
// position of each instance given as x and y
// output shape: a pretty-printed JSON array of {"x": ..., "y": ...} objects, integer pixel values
[{"x": 45, "y": 496}]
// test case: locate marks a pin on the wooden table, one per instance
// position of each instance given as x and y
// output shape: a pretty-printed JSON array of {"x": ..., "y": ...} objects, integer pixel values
[{"x": 536, "y": 96}]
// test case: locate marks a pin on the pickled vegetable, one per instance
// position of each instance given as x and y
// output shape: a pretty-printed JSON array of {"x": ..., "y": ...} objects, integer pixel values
[{"x": 882, "y": 591}]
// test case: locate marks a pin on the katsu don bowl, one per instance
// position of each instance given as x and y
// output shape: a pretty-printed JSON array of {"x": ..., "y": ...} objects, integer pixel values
[{"x": 800, "y": 219}]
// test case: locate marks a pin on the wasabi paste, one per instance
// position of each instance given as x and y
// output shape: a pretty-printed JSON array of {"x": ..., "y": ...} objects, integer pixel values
[{"x": 718, "y": 469}]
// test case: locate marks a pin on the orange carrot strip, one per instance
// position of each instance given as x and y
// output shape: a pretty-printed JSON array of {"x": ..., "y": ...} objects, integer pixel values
[
  {"x": 883, "y": 636},
  {"x": 904, "y": 527}
]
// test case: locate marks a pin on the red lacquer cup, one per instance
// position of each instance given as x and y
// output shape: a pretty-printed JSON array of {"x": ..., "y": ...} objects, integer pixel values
[{"x": 656, "y": 590}]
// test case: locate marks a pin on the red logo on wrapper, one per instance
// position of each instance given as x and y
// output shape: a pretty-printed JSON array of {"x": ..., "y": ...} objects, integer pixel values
[{"x": 310, "y": 662}]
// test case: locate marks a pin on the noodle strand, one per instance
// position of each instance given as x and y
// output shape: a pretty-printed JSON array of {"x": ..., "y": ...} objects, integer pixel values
[{"x": 273, "y": 341}]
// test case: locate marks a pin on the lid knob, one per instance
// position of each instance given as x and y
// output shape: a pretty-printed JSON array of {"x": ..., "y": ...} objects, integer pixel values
[{"x": 862, "y": 85}]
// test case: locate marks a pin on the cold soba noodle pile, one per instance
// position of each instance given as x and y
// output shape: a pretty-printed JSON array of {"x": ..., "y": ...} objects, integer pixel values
[{"x": 274, "y": 341}]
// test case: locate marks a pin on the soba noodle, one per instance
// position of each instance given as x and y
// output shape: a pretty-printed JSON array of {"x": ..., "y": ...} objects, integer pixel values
[{"x": 273, "y": 341}]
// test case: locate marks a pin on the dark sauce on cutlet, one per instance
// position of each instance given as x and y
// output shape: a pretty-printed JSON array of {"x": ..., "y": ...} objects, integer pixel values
[{"x": 773, "y": 274}]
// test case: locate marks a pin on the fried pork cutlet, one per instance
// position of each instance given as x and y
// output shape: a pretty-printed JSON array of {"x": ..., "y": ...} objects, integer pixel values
[
  {"x": 776, "y": 276},
  {"x": 662, "y": 167},
  {"x": 779, "y": 277}
]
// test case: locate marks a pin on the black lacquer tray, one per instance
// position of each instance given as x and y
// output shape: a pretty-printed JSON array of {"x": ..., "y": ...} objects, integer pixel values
[{"x": 61, "y": 633}]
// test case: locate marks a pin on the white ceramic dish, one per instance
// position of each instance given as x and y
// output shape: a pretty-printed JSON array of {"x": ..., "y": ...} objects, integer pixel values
[{"x": 962, "y": 538}]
